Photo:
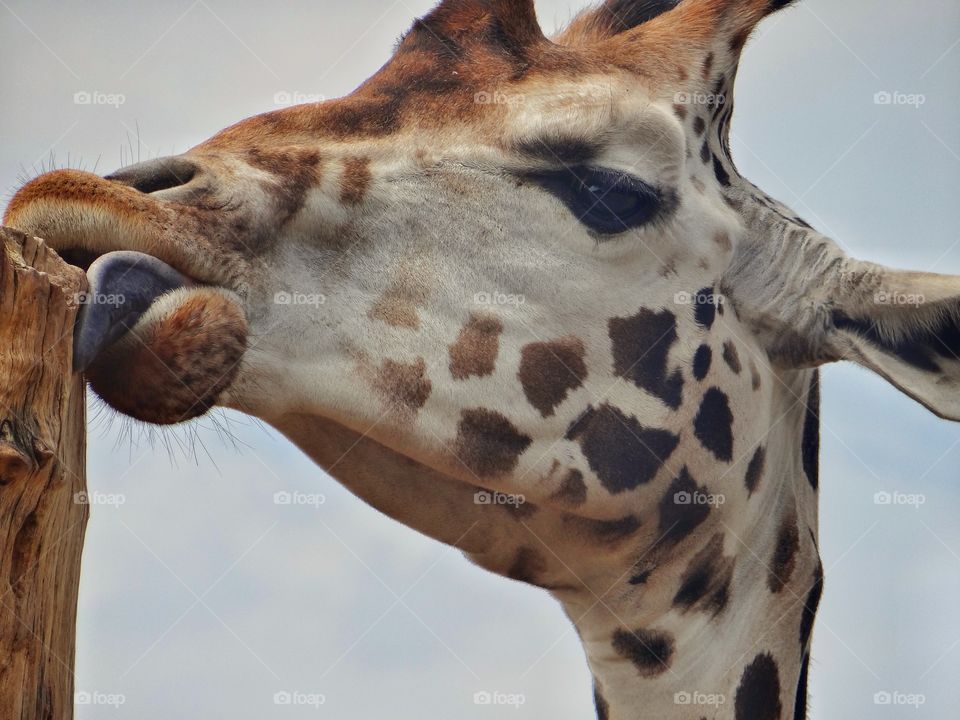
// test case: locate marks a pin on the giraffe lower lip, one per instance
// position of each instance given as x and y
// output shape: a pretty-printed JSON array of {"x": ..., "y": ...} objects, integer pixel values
[{"x": 123, "y": 286}]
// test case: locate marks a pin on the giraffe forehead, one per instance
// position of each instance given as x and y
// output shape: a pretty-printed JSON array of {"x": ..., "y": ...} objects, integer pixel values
[{"x": 439, "y": 78}]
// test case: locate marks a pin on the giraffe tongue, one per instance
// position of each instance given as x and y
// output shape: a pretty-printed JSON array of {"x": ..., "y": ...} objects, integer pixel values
[{"x": 123, "y": 286}]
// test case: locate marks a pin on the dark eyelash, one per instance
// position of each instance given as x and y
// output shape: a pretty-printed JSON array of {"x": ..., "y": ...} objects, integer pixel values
[{"x": 606, "y": 201}]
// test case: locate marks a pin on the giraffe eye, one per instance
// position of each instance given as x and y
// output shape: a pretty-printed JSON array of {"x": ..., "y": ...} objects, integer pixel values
[{"x": 606, "y": 201}]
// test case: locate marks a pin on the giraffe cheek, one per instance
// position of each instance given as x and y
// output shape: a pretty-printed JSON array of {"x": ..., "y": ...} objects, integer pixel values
[{"x": 178, "y": 359}]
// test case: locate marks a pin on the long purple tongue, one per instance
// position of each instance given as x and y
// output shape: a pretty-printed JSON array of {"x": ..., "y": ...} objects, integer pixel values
[{"x": 123, "y": 285}]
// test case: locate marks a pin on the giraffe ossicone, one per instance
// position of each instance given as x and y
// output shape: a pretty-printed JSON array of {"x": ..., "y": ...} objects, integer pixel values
[{"x": 514, "y": 293}]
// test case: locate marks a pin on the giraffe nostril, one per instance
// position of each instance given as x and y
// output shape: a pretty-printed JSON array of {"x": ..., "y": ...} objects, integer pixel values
[{"x": 156, "y": 175}]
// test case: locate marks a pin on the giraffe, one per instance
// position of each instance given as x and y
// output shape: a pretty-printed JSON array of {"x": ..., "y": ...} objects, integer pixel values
[{"x": 514, "y": 293}]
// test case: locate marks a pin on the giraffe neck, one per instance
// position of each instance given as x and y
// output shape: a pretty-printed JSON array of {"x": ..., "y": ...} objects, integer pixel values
[{"x": 719, "y": 627}]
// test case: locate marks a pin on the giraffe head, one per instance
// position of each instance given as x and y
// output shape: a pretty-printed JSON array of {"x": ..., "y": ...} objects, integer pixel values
[
  {"x": 521, "y": 265},
  {"x": 487, "y": 183}
]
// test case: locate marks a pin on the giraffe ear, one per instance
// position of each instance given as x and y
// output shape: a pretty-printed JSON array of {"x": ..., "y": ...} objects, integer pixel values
[
  {"x": 683, "y": 26},
  {"x": 906, "y": 328}
]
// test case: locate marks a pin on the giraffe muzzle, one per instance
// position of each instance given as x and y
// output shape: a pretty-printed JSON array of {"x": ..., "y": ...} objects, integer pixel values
[
  {"x": 122, "y": 286},
  {"x": 155, "y": 344},
  {"x": 162, "y": 332}
]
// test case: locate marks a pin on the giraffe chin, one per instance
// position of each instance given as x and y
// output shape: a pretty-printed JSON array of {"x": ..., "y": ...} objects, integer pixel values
[{"x": 178, "y": 358}]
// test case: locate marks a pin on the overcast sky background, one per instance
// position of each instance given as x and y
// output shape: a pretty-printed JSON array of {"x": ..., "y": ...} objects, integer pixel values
[{"x": 202, "y": 598}]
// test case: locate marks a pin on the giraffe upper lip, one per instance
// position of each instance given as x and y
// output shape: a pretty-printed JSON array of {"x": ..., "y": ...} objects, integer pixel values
[
  {"x": 84, "y": 216},
  {"x": 134, "y": 246}
]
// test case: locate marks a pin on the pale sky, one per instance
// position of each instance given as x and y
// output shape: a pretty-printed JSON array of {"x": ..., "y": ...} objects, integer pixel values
[{"x": 202, "y": 598}]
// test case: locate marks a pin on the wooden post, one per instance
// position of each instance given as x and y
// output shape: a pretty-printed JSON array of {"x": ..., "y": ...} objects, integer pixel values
[{"x": 43, "y": 509}]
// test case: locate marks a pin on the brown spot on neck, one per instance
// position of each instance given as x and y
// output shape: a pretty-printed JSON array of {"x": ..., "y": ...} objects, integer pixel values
[
  {"x": 641, "y": 349},
  {"x": 681, "y": 508},
  {"x": 487, "y": 443},
  {"x": 550, "y": 370},
  {"x": 573, "y": 490},
  {"x": 355, "y": 180},
  {"x": 731, "y": 357},
  {"x": 705, "y": 584},
  {"x": 622, "y": 453},
  {"x": 398, "y": 304},
  {"x": 476, "y": 348},
  {"x": 650, "y": 651},
  {"x": 784, "y": 559},
  {"x": 755, "y": 470},
  {"x": 404, "y": 386}
]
